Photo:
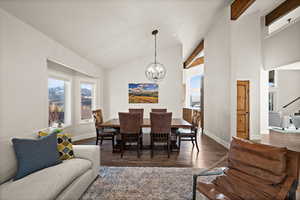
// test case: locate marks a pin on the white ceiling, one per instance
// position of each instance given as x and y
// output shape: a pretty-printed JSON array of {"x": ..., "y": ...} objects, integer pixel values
[{"x": 112, "y": 32}]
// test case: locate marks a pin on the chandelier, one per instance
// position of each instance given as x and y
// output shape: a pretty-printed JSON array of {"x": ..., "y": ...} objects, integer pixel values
[{"x": 155, "y": 71}]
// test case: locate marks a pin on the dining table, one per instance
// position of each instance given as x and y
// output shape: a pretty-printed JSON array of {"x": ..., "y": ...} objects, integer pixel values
[{"x": 176, "y": 123}]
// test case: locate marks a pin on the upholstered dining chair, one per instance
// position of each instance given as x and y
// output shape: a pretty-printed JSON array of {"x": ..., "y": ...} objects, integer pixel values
[
  {"x": 254, "y": 172},
  {"x": 141, "y": 111},
  {"x": 130, "y": 129},
  {"x": 137, "y": 110},
  {"x": 163, "y": 110},
  {"x": 160, "y": 129},
  {"x": 103, "y": 133},
  {"x": 192, "y": 133}
]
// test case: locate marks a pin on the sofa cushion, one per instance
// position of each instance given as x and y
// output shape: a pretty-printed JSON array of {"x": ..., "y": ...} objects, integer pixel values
[
  {"x": 45, "y": 184},
  {"x": 65, "y": 146},
  {"x": 262, "y": 161},
  {"x": 64, "y": 143},
  {"x": 33, "y": 155},
  {"x": 8, "y": 163}
]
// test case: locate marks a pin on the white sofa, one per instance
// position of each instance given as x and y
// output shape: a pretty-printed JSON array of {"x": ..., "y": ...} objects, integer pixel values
[{"x": 67, "y": 180}]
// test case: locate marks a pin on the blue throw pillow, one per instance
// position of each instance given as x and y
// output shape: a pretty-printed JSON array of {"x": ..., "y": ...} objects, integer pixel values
[{"x": 33, "y": 155}]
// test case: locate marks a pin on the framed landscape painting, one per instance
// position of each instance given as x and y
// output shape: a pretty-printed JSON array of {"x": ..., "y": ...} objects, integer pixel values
[{"x": 143, "y": 92}]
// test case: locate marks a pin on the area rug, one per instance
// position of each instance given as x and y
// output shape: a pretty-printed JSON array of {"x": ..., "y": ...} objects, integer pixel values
[{"x": 147, "y": 183}]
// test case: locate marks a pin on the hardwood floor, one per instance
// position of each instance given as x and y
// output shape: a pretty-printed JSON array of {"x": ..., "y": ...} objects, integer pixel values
[
  {"x": 289, "y": 140},
  {"x": 209, "y": 153}
]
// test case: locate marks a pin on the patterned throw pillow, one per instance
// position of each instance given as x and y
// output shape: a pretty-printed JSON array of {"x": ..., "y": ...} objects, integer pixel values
[
  {"x": 65, "y": 146},
  {"x": 64, "y": 143}
]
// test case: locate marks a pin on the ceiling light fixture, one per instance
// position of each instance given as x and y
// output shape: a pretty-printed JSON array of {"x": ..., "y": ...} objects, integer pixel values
[{"x": 155, "y": 71}]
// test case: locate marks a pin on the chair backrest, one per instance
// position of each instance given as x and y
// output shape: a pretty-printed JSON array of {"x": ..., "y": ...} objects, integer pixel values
[
  {"x": 161, "y": 110},
  {"x": 98, "y": 117},
  {"x": 258, "y": 160},
  {"x": 160, "y": 122},
  {"x": 130, "y": 123},
  {"x": 270, "y": 170},
  {"x": 137, "y": 110},
  {"x": 196, "y": 119}
]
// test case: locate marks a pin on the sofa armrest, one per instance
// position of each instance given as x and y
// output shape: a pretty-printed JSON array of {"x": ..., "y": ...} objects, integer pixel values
[{"x": 89, "y": 152}]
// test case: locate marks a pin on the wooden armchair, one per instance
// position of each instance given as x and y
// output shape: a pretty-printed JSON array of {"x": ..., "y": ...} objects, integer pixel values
[{"x": 254, "y": 172}]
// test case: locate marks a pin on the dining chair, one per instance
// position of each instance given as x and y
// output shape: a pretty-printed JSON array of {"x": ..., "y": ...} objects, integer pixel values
[
  {"x": 130, "y": 129},
  {"x": 103, "y": 133},
  {"x": 160, "y": 129},
  {"x": 162, "y": 110},
  {"x": 192, "y": 133},
  {"x": 141, "y": 111},
  {"x": 137, "y": 110}
]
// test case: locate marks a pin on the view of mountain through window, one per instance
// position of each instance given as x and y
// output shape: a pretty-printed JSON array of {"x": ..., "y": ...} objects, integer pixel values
[
  {"x": 195, "y": 83},
  {"x": 86, "y": 91},
  {"x": 56, "y": 97}
]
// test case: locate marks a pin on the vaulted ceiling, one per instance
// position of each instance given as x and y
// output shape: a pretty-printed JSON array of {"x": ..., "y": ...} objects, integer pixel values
[{"x": 112, "y": 32}]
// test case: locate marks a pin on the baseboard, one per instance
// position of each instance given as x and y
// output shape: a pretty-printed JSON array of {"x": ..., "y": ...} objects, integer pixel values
[
  {"x": 84, "y": 136},
  {"x": 217, "y": 139}
]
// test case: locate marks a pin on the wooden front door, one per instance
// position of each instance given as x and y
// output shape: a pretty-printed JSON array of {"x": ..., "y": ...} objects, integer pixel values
[{"x": 242, "y": 124}]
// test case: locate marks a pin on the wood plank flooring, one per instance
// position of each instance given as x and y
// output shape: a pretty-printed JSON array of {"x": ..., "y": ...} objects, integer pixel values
[
  {"x": 209, "y": 153},
  {"x": 289, "y": 140}
]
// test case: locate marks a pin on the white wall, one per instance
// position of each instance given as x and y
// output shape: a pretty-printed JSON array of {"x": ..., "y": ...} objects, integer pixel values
[
  {"x": 170, "y": 89},
  {"x": 287, "y": 89},
  {"x": 282, "y": 48},
  {"x": 23, "y": 76},
  {"x": 217, "y": 79},
  {"x": 233, "y": 51},
  {"x": 246, "y": 64}
]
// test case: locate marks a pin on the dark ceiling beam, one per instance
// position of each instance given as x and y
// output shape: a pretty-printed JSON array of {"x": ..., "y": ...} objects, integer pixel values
[
  {"x": 283, "y": 9},
  {"x": 238, "y": 7},
  {"x": 196, "y": 62},
  {"x": 194, "y": 54}
]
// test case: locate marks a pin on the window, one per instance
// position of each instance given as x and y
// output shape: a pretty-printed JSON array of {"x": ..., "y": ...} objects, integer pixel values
[
  {"x": 272, "y": 101},
  {"x": 195, "y": 91},
  {"x": 58, "y": 106},
  {"x": 87, "y": 93},
  {"x": 272, "y": 78}
]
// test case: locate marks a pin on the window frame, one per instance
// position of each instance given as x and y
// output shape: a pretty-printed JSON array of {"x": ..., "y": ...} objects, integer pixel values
[
  {"x": 68, "y": 92},
  {"x": 275, "y": 78},
  {"x": 94, "y": 98},
  {"x": 274, "y": 100}
]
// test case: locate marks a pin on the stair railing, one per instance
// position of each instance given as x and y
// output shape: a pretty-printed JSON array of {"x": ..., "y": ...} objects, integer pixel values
[{"x": 285, "y": 106}]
